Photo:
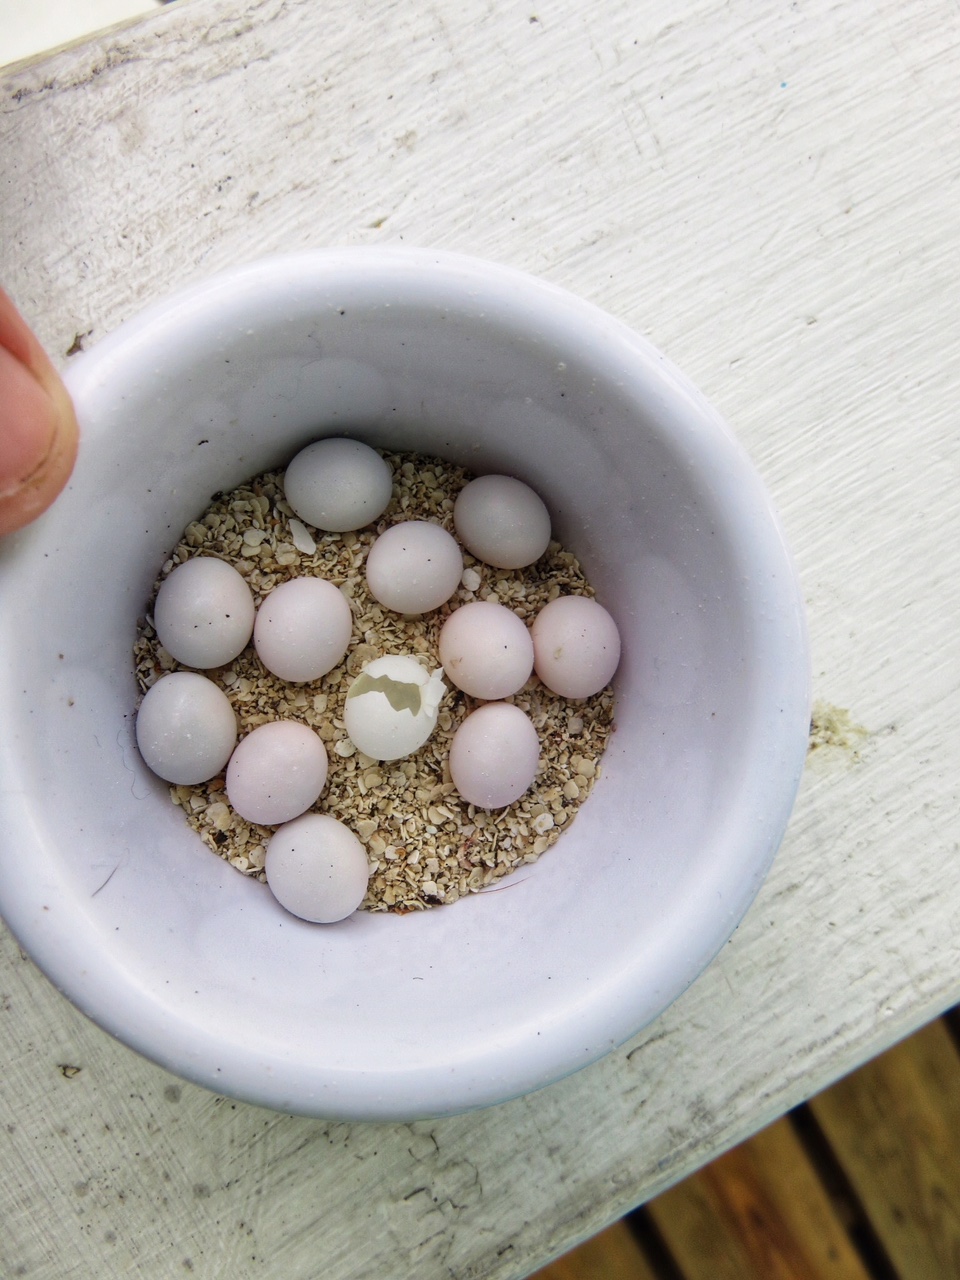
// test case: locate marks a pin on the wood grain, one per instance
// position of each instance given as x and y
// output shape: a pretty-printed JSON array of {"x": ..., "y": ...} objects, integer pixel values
[
  {"x": 757, "y": 1213},
  {"x": 612, "y": 1255},
  {"x": 767, "y": 191},
  {"x": 893, "y": 1127}
]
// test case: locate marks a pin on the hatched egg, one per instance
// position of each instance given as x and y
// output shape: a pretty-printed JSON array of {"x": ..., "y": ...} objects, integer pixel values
[
  {"x": 204, "y": 612},
  {"x": 413, "y": 567},
  {"x": 338, "y": 485},
  {"x": 186, "y": 728},
  {"x": 302, "y": 629},
  {"x": 317, "y": 868},
  {"x": 392, "y": 707},
  {"x": 276, "y": 773},
  {"x": 501, "y": 521},
  {"x": 494, "y": 755},
  {"x": 486, "y": 650},
  {"x": 576, "y": 646}
]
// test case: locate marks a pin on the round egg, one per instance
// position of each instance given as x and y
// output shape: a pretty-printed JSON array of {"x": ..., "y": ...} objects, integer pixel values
[
  {"x": 338, "y": 485},
  {"x": 392, "y": 707},
  {"x": 317, "y": 868},
  {"x": 494, "y": 755},
  {"x": 302, "y": 629},
  {"x": 502, "y": 521},
  {"x": 204, "y": 613},
  {"x": 486, "y": 650},
  {"x": 186, "y": 728},
  {"x": 576, "y": 646},
  {"x": 413, "y": 567},
  {"x": 276, "y": 773}
]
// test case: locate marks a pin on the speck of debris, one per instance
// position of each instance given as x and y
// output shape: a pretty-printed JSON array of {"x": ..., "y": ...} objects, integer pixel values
[
  {"x": 67, "y": 1070},
  {"x": 832, "y": 726},
  {"x": 77, "y": 344}
]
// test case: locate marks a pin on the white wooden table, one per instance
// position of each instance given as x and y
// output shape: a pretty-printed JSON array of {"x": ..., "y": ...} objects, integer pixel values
[{"x": 770, "y": 192}]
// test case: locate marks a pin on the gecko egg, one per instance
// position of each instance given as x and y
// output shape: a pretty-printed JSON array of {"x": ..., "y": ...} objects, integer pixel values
[
  {"x": 576, "y": 646},
  {"x": 186, "y": 728},
  {"x": 392, "y": 707},
  {"x": 204, "y": 612},
  {"x": 317, "y": 868},
  {"x": 338, "y": 485},
  {"x": 486, "y": 650},
  {"x": 276, "y": 773},
  {"x": 302, "y": 629},
  {"x": 502, "y": 521},
  {"x": 413, "y": 567},
  {"x": 494, "y": 755}
]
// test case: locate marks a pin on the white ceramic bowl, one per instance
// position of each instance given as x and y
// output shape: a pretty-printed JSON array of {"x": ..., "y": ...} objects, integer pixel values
[{"x": 384, "y": 1016}]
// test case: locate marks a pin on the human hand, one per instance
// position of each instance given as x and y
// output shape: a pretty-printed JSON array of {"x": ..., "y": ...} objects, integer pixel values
[{"x": 38, "y": 427}]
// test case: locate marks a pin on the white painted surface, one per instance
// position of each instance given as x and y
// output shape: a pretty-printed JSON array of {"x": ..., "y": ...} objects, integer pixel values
[
  {"x": 768, "y": 192},
  {"x": 30, "y": 27}
]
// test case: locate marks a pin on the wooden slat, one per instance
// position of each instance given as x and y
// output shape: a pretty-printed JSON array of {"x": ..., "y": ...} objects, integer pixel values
[
  {"x": 894, "y": 1126},
  {"x": 612, "y": 1255},
  {"x": 756, "y": 1213}
]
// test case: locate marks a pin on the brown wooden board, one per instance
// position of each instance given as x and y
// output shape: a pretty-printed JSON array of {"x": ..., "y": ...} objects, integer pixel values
[
  {"x": 612, "y": 1255},
  {"x": 894, "y": 1126},
  {"x": 757, "y": 1213}
]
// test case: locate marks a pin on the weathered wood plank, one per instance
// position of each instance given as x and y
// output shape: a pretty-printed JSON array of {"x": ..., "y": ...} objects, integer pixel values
[
  {"x": 759, "y": 1212},
  {"x": 767, "y": 191},
  {"x": 612, "y": 1255},
  {"x": 893, "y": 1126}
]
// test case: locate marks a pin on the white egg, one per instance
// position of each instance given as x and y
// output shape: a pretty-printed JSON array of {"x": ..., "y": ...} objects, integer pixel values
[
  {"x": 204, "y": 613},
  {"x": 414, "y": 567},
  {"x": 502, "y": 521},
  {"x": 576, "y": 646},
  {"x": 276, "y": 773},
  {"x": 486, "y": 650},
  {"x": 186, "y": 728},
  {"x": 494, "y": 755},
  {"x": 392, "y": 707},
  {"x": 317, "y": 868},
  {"x": 338, "y": 485},
  {"x": 302, "y": 629}
]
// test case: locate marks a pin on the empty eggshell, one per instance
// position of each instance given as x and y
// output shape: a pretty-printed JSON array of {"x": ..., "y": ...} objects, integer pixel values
[
  {"x": 494, "y": 755},
  {"x": 486, "y": 650},
  {"x": 302, "y": 629},
  {"x": 576, "y": 646},
  {"x": 186, "y": 728},
  {"x": 501, "y": 521},
  {"x": 392, "y": 706},
  {"x": 338, "y": 485},
  {"x": 317, "y": 868},
  {"x": 276, "y": 772},
  {"x": 204, "y": 612},
  {"x": 414, "y": 566}
]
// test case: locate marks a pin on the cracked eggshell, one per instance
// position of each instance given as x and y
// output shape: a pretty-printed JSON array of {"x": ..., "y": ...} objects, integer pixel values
[{"x": 392, "y": 706}]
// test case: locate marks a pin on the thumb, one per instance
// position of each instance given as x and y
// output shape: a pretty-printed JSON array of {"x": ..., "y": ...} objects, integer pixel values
[{"x": 38, "y": 427}]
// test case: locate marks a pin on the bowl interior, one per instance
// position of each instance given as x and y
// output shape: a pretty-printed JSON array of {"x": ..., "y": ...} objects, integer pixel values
[{"x": 387, "y": 1016}]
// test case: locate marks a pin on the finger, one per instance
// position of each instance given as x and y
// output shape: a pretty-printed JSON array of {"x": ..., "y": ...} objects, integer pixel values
[{"x": 38, "y": 427}]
